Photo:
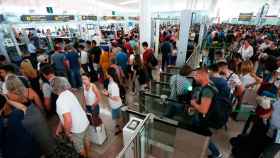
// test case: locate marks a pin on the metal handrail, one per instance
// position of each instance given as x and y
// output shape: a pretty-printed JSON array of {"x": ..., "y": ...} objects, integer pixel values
[
  {"x": 138, "y": 129},
  {"x": 194, "y": 58}
]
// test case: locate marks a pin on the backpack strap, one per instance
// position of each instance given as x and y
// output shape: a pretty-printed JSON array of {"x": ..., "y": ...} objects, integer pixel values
[
  {"x": 215, "y": 91},
  {"x": 229, "y": 76}
]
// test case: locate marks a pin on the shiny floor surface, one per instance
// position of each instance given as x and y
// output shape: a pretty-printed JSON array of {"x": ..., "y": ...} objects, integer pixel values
[{"x": 114, "y": 144}]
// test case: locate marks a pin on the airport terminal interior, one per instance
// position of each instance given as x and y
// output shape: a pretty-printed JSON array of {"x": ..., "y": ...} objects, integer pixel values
[{"x": 139, "y": 78}]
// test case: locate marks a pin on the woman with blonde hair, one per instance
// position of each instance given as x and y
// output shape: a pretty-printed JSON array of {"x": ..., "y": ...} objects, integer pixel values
[
  {"x": 247, "y": 75},
  {"x": 31, "y": 74}
]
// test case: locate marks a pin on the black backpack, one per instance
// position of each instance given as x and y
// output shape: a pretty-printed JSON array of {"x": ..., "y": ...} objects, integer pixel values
[
  {"x": 153, "y": 61},
  {"x": 219, "y": 110}
]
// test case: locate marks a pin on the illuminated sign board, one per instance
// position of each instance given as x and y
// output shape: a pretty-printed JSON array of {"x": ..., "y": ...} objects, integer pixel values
[
  {"x": 63, "y": 17},
  {"x": 47, "y": 17},
  {"x": 35, "y": 17},
  {"x": 136, "y": 18},
  {"x": 89, "y": 17},
  {"x": 245, "y": 16},
  {"x": 113, "y": 18}
]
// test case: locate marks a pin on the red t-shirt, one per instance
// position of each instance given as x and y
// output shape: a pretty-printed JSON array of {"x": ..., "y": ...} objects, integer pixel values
[
  {"x": 147, "y": 55},
  {"x": 128, "y": 47}
]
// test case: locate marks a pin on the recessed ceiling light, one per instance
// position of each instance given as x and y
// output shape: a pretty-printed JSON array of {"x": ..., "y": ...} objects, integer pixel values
[{"x": 128, "y": 2}]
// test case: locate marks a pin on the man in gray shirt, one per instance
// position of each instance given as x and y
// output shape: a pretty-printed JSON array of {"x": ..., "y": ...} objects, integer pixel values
[{"x": 59, "y": 62}]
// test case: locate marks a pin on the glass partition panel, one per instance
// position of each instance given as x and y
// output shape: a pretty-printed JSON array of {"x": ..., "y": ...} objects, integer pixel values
[
  {"x": 160, "y": 88},
  {"x": 161, "y": 106},
  {"x": 173, "y": 69},
  {"x": 156, "y": 137}
]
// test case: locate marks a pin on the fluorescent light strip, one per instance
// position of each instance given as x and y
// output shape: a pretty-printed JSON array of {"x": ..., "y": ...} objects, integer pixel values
[{"x": 128, "y": 2}]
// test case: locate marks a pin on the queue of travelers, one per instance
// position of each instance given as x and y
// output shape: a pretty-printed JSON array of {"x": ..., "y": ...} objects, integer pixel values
[
  {"x": 64, "y": 83},
  {"x": 241, "y": 67},
  {"x": 240, "y": 59}
]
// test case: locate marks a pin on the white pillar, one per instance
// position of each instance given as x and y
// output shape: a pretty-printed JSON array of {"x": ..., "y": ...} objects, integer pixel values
[
  {"x": 185, "y": 22},
  {"x": 157, "y": 37},
  {"x": 145, "y": 21}
]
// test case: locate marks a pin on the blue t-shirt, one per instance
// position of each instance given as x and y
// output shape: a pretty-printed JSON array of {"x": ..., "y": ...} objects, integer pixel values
[
  {"x": 122, "y": 60},
  {"x": 15, "y": 141},
  {"x": 73, "y": 59},
  {"x": 222, "y": 86}
]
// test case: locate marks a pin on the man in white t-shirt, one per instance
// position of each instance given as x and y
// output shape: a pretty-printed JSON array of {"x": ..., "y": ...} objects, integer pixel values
[{"x": 73, "y": 118}]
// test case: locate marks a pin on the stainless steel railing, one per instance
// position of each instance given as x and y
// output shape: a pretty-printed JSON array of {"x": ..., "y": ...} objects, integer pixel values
[
  {"x": 135, "y": 141},
  {"x": 195, "y": 58}
]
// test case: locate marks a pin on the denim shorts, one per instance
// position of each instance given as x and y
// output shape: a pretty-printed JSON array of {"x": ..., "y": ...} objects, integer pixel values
[
  {"x": 90, "y": 109},
  {"x": 116, "y": 113}
]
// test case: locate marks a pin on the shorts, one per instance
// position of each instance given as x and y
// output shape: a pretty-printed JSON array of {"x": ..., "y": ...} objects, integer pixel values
[
  {"x": 79, "y": 139},
  {"x": 90, "y": 109},
  {"x": 116, "y": 113}
]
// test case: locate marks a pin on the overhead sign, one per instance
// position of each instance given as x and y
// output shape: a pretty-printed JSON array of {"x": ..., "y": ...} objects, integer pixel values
[
  {"x": 35, "y": 18},
  {"x": 136, "y": 18},
  {"x": 113, "y": 18},
  {"x": 47, "y": 17},
  {"x": 245, "y": 16},
  {"x": 63, "y": 17},
  {"x": 89, "y": 17}
]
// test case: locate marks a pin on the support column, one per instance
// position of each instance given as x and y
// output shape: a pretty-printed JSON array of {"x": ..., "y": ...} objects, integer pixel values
[
  {"x": 185, "y": 23},
  {"x": 157, "y": 37},
  {"x": 145, "y": 22}
]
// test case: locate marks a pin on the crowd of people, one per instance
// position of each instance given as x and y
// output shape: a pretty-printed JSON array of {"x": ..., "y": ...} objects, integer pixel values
[
  {"x": 240, "y": 68},
  {"x": 67, "y": 83}
]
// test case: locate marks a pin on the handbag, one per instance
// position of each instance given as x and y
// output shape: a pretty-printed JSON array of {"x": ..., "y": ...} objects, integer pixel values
[
  {"x": 99, "y": 135},
  {"x": 94, "y": 119}
]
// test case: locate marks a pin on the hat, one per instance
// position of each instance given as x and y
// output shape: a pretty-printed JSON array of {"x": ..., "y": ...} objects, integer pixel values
[
  {"x": 42, "y": 58},
  {"x": 263, "y": 105},
  {"x": 264, "y": 102}
]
